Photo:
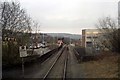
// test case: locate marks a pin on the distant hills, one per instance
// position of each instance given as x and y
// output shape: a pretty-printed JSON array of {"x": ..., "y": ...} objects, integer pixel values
[{"x": 67, "y": 35}]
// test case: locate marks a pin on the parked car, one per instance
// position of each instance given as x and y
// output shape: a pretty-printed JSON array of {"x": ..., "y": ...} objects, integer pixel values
[
  {"x": 35, "y": 47},
  {"x": 42, "y": 46},
  {"x": 30, "y": 46}
]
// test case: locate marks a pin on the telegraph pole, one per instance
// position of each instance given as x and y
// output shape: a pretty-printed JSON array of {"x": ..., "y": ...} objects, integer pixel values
[
  {"x": 70, "y": 40},
  {"x": 43, "y": 38}
]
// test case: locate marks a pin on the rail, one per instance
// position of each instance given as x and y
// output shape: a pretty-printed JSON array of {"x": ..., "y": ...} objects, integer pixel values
[{"x": 55, "y": 61}]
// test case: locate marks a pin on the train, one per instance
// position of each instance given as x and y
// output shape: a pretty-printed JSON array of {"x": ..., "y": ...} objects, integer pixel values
[{"x": 60, "y": 43}]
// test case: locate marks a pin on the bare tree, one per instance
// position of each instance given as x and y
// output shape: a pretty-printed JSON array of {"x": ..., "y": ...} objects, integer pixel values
[
  {"x": 13, "y": 18},
  {"x": 110, "y": 31},
  {"x": 14, "y": 22}
]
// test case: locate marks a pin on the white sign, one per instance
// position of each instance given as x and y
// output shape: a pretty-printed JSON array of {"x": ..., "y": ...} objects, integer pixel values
[{"x": 23, "y": 52}]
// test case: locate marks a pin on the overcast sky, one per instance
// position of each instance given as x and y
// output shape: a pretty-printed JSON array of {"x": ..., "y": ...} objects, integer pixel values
[{"x": 69, "y": 16}]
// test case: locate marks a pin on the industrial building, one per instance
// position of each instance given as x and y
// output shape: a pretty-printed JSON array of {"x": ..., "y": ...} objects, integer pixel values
[
  {"x": 90, "y": 37},
  {"x": 119, "y": 13},
  {"x": 94, "y": 40},
  {"x": 91, "y": 40}
]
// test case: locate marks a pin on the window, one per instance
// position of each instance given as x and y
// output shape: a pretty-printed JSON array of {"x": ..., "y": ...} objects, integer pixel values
[{"x": 88, "y": 44}]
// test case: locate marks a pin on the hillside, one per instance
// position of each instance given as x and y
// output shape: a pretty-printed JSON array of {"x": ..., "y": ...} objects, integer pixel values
[{"x": 72, "y": 36}]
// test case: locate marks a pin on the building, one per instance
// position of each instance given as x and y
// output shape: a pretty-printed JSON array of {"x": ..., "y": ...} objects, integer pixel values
[
  {"x": 90, "y": 37},
  {"x": 90, "y": 40},
  {"x": 95, "y": 39},
  {"x": 119, "y": 13}
]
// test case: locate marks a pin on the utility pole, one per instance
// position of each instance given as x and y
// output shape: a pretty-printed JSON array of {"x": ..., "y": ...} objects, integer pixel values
[
  {"x": 57, "y": 36},
  {"x": 23, "y": 67},
  {"x": 93, "y": 44},
  {"x": 53, "y": 40},
  {"x": 43, "y": 38},
  {"x": 70, "y": 40},
  {"x": 23, "y": 53},
  {"x": 36, "y": 36},
  {"x": 39, "y": 35}
]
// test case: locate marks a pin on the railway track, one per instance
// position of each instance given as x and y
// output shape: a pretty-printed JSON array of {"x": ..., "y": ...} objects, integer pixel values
[
  {"x": 58, "y": 68},
  {"x": 78, "y": 56},
  {"x": 82, "y": 56}
]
